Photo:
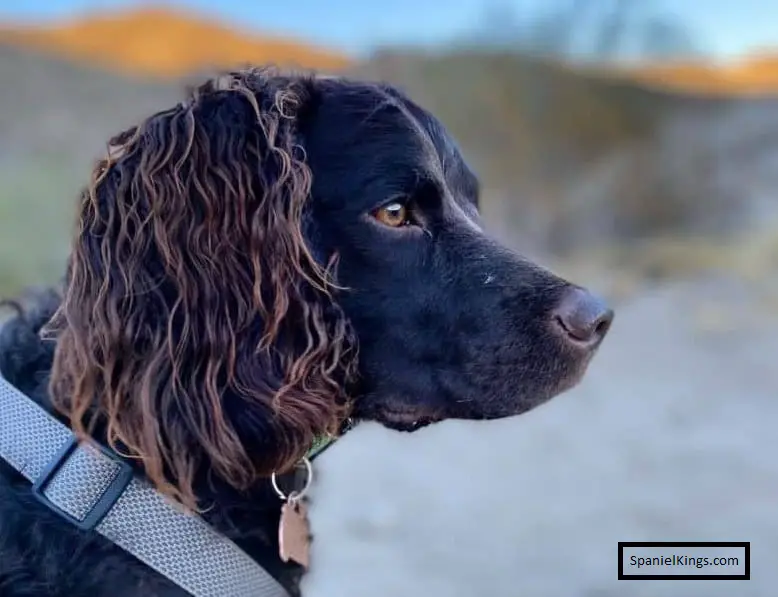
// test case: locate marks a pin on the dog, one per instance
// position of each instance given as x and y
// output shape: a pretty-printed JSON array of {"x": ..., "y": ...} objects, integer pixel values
[{"x": 275, "y": 255}]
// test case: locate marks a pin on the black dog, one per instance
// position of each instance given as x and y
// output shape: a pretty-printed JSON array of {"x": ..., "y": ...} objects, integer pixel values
[{"x": 251, "y": 268}]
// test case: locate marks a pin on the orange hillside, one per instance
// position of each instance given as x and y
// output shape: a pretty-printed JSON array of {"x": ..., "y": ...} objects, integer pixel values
[
  {"x": 164, "y": 42},
  {"x": 757, "y": 74}
]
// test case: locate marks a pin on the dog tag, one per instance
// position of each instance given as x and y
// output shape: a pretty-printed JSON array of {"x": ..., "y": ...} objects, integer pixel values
[{"x": 293, "y": 533}]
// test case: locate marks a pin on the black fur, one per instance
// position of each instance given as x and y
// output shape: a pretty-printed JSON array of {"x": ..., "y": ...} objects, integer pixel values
[{"x": 450, "y": 324}]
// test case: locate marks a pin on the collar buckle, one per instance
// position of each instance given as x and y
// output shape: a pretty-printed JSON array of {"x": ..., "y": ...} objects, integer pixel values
[{"x": 62, "y": 461}]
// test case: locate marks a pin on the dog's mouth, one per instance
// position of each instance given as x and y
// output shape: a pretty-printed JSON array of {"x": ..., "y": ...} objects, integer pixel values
[{"x": 409, "y": 414}]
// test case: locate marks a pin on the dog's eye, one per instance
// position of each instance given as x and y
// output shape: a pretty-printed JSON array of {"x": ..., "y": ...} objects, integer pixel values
[{"x": 394, "y": 215}]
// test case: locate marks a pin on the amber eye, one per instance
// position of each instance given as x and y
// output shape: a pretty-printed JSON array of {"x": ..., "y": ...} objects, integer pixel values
[{"x": 393, "y": 214}]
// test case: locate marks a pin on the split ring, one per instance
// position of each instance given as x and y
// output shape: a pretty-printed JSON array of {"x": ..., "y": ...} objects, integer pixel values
[{"x": 295, "y": 495}]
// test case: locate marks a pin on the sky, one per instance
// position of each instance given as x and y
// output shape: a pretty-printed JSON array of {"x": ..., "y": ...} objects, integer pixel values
[{"x": 724, "y": 28}]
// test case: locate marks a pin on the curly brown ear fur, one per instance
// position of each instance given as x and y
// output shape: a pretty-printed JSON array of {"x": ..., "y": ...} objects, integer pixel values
[{"x": 196, "y": 327}]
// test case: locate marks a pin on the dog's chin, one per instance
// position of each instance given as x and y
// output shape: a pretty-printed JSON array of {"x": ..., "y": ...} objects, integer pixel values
[
  {"x": 409, "y": 425},
  {"x": 405, "y": 418}
]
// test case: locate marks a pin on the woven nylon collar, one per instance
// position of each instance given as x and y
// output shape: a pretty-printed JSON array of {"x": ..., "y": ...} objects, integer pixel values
[{"x": 95, "y": 490}]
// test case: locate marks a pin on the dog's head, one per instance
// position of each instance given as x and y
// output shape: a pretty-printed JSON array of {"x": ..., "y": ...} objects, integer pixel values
[{"x": 278, "y": 253}]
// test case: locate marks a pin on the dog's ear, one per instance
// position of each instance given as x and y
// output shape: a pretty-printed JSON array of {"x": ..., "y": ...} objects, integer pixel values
[{"x": 197, "y": 329}]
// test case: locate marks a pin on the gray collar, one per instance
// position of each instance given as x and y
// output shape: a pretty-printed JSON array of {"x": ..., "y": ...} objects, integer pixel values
[{"x": 94, "y": 490}]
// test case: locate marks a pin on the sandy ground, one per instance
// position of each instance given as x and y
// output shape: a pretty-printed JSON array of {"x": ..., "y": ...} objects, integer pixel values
[{"x": 673, "y": 436}]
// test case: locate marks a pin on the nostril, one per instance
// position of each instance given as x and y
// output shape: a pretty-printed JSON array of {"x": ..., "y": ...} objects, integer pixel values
[
  {"x": 583, "y": 317},
  {"x": 604, "y": 323},
  {"x": 577, "y": 330},
  {"x": 563, "y": 323}
]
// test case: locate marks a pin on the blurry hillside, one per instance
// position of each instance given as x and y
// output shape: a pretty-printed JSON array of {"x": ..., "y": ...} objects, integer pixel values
[{"x": 573, "y": 159}]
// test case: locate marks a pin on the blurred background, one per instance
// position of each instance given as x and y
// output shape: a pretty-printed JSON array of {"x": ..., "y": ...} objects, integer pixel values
[{"x": 632, "y": 145}]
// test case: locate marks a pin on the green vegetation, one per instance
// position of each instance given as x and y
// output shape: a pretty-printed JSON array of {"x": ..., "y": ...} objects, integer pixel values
[{"x": 36, "y": 212}]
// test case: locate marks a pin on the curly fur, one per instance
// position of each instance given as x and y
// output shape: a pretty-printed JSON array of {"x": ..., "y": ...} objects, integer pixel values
[
  {"x": 231, "y": 295},
  {"x": 190, "y": 231}
]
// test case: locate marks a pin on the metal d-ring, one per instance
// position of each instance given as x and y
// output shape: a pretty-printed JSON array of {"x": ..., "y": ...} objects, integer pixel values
[{"x": 295, "y": 495}]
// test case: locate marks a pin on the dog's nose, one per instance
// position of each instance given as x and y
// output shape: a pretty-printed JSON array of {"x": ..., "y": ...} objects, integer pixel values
[{"x": 583, "y": 317}]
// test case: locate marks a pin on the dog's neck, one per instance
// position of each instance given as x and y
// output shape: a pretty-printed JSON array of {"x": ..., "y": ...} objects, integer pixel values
[{"x": 250, "y": 519}]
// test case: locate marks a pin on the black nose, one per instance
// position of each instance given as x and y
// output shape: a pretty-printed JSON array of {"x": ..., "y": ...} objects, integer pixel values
[{"x": 583, "y": 317}]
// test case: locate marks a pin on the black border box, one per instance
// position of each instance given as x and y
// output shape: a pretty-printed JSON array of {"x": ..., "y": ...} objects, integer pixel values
[{"x": 746, "y": 545}]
